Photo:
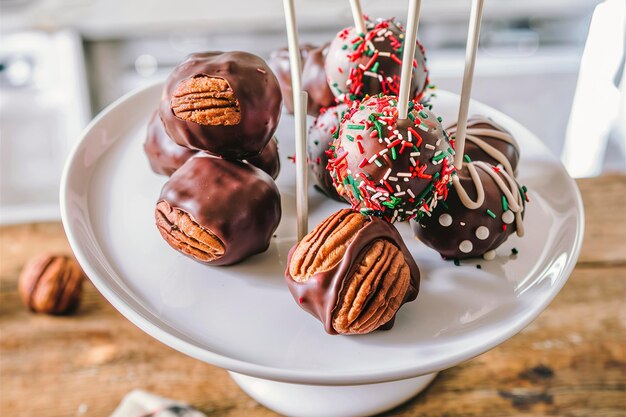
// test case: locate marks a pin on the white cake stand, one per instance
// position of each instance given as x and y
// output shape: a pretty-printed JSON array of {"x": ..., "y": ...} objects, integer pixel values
[{"x": 243, "y": 319}]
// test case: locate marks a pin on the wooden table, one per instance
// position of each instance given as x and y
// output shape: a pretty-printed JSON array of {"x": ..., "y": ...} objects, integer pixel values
[{"x": 570, "y": 362}]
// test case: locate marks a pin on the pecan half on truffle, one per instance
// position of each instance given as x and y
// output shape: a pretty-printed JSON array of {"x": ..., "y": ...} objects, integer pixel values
[
  {"x": 225, "y": 103},
  {"x": 353, "y": 273},
  {"x": 51, "y": 284},
  {"x": 218, "y": 212}
]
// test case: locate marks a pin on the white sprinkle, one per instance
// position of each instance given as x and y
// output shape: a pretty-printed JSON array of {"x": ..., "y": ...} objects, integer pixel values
[
  {"x": 400, "y": 194},
  {"x": 387, "y": 174},
  {"x": 398, "y": 188},
  {"x": 375, "y": 196},
  {"x": 386, "y": 54},
  {"x": 413, "y": 161},
  {"x": 372, "y": 159},
  {"x": 466, "y": 246},
  {"x": 382, "y": 152},
  {"x": 437, "y": 153},
  {"x": 438, "y": 142},
  {"x": 406, "y": 180},
  {"x": 389, "y": 128},
  {"x": 489, "y": 255},
  {"x": 445, "y": 220},
  {"x": 482, "y": 233},
  {"x": 414, "y": 154},
  {"x": 395, "y": 132},
  {"x": 429, "y": 146},
  {"x": 462, "y": 223},
  {"x": 382, "y": 122},
  {"x": 393, "y": 178},
  {"x": 400, "y": 136},
  {"x": 508, "y": 217},
  {"x": 423, "y": 127},
  {"x": 370, "y": 74},
  {"x": 379, "y": 39},
  {"x": 410, "y": 193},
  {"x": 404, "y": 174}
]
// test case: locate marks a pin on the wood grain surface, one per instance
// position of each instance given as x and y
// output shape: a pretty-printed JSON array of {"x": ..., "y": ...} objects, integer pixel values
[{"x": 570, "y": 362}]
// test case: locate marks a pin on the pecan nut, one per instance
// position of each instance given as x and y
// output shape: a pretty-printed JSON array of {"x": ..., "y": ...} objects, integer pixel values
[
  {"x": 353, "y": 273},
  {"x": 206, "y": 100},
  {"x": 51, "y": 284},
  {"x": 184, "y": 234}
]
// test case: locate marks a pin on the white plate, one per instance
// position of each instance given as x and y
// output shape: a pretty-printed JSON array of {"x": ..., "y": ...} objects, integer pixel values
[{"x": 244, "y": 319}]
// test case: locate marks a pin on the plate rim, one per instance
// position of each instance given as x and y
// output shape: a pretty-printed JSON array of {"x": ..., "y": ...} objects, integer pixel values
[{"x": 316, "y": 377}]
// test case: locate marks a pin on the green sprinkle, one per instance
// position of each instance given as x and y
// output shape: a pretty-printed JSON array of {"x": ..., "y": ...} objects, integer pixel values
[
  {"x": 491, "y": 213},
  {"x": 316, "y": 142},
  {"x": 514, "y": 251},
  {"x": 360, "y": 108},
  {"x": 375, "y": 67},
  {"x": 467, "y": 158},
  {"x": 344, "y": 47},
  {"x": 377, "y": 162},
  {"x": 356, "y": 127},
  {"x": 478, "y": 266},
  {"x": 423, "y": 114},
  {"x": 444, "y": 204},
  {"x": 411, "y": 116},
  {"x": 393, "y": 154},
  {"x": 350, "y": 138},
  {"x": 505, "y": 204},
  {"x": 456, "y": 262},
  {"x": 439, "y": 157},
  {"x": 439, "y": 119}
]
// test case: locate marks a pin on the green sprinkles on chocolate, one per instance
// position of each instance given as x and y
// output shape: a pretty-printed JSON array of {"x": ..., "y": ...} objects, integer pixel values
[
  {"x": 356, "y": 127},
  {"x": 505, "y": 204},
  {"x": 467, "y": 158},
  {"x": 491, "y": 213}
]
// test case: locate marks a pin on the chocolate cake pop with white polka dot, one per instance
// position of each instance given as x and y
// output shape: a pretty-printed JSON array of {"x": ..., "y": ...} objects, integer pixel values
[
  {"x": 323, "y": 132},
  {"x": 487, "y": 141},
  {"x": 395, "y": 169},
  {"x": 484, "y": 207},
  {"x": 360, "y": 64}
]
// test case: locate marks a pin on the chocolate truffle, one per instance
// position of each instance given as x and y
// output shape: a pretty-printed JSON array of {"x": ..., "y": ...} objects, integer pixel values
[
  {"x": 322, "y": 133},
  {"x": 218, "y": 212},
  {"x": 268, "y": 160},
  {"x": 368, "y": 64},
  {"x": 389, "y": 168},
  {"x": 225, "y": 103},
  {"x": 313, "y": 77},
  {"x": 164, "y": 155},
  {"x": 483, "y": 208},
  {"x": 487, "y": 141},
  {"x": 353, "y": 273}
]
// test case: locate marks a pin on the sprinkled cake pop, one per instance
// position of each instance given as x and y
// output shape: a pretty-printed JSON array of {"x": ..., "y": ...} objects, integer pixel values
[
  {"x": 487, "y": 141},
  {"x": 390, "y": 168},
  {"x": 322, "y": 133},
  {"x": 369, "y": 64},
  {"x": 484, "y": 206}
]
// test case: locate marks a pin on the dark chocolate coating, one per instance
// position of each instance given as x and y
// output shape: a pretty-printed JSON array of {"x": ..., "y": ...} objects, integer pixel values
[
  {"x": 256, "y": 90},
  {"x": 238, "y": 203},
  {"x": 460, "y": 223},
  {"x": 506, "y": 145},
  {"x": 313, "y": 77},
  {"x": 268, "y": 160},
  {"x": 319, "y": 294},
  {"x": 164, "y": 155},
  {"x": 321, "y": 133},
  {"x": 372, "y": 66}
]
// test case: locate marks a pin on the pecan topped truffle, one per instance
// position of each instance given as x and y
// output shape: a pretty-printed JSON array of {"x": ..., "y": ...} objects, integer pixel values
[
  {"x": 225, "y": 103},
  {"x": 353, "y": 273}
]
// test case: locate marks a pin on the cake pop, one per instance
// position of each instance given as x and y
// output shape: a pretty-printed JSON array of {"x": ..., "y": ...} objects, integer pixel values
[
  {"x": 397, "y": 169},
  {"x": 484, "y": 206},
  {"x": 323, "y": 132},
  {"x": 368, "y": 64}
]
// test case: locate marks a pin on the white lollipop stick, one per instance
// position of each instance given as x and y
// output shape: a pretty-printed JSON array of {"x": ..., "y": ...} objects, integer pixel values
[
  {"x": 357, "y": 14},
  {"x": 299, "y": 105},
  {"x": 410, "y": 38},
  {"x": 473, "y": 35}
]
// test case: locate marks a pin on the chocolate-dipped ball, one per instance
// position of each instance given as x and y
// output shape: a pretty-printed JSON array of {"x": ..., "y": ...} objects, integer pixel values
[
  {"x": 323, "y": 132},
  {"x": 268, "y": 160},
  {"x": 484, "y": 206},
  {"x": 487, "y": 141},
  {"x": 225, "y": 103},
  {"x": 390, "y": 168},
  {"x": 313, "y": 77},
  {"x": 218, "y": 212},
  {"x": 353, "y": 273},
  {"x": 165, "y": 155},
  {"x": 368, "y": 64}
]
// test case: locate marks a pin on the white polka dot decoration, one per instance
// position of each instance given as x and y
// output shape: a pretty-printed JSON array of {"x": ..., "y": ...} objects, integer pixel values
[
  {"x": 482, "y": 233},
  {"x": 466, "y": 246},
  {"x": 445, "y": 220},
  {"x": 508, "y": 217}
]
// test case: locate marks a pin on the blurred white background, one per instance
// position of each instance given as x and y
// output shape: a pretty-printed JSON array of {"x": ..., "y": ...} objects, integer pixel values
[{"x": 62, "y": 61}]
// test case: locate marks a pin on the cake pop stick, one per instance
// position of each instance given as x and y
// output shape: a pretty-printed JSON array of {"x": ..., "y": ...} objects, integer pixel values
[
  {"x": 410, "y": 38},
  {"x": 357, "y": 14},
  {"x": 299, "y": 104},
  {"x": 473, "y": 35}
]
